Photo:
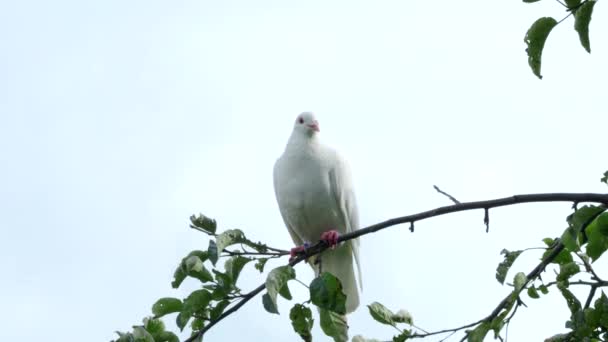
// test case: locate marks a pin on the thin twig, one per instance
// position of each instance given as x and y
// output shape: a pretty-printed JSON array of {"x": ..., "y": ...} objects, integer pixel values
[
  {"x": 589, "y": 268},
  {"x": 446, "y": 194},
  {"x": 272, "y": 254},
  {"x": 453, "y": 330},
  {"x": 590, "y": 297}
]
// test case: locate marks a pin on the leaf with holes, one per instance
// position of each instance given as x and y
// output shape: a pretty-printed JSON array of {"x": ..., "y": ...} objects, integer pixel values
[
  {"x": 535, "y": 39},
  {"x": 225, "y": 239},
  {"x": 301, "y": 321},
  {"x": 505, "y": 265},
  {"x": 204, "y": 223}
]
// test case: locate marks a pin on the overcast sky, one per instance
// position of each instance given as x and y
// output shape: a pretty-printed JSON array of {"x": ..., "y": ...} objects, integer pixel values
[{"x": 119, "y": 119}]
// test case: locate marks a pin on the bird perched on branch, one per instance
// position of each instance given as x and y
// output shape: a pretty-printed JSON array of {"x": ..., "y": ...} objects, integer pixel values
[{"x": 314, "y": 190}]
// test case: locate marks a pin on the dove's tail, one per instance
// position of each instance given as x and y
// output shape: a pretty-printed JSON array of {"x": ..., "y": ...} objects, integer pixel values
[{"x": 339, "y": 262}]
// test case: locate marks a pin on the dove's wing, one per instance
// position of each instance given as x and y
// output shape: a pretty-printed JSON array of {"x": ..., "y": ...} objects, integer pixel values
[
  {"x": 279, "y": 195},
  {"x": 342, "y": 188}
]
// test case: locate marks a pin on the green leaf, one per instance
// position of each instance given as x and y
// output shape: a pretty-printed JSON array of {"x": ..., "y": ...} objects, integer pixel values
[
  {"x": 124, "y": 337},
  {"x": 584, "y": 216},
  {"x": 572, "y": 3},
  {"x": 562, "y": 257},
  {"x": 182, "y": 319},
  {"x": 285, "y": 293},
  {"x": 141, "y": 335},
  {"x": 190, "y": 266},
  {"x": 597, "y": 241},
  {"x": 213, "y": 252},
  {"x": 259, "y": 265},
  {"x": 154, "y": 325},
  {"x": 532, "y": 293},
  {"x": 535, "y": 39},
  {"x": 195, "y": 268},
  {"x": 203, "y": 222},
  {"x": 166, "y": 305},
  {"x": 234, "y": 266},
  {"x": 269, "y": 304},
  {"x": 381, "y": 313},
  {"x": 601, "y": 310},
  {"x": 405, "y": 334},
  {"x": 197, "y": 324},
  {"x": 582, "y": 17},
  {"x": 196, "y": 302},
  {"x": 505, "y": 265},
  {"x": 573, "y": 303},
  {"x": 479, "y": 333},
  {"x": 218, "y": 309},
  {"x": 326, "y": 292},
  {"x": 567, "y": 270},
  {"x": 276, "y": 280},
  {"x": 224, "y": 282},
  {"x": 602, "y": 223},
  {"x": 334, "y": 325},
  {"x": 549, "y": 241},
  {"x": 499, "y": 322},
  {"x": 165, "y": 336},
  {"x": 301, "y": 321},
  {"x": 604, "y": 179},
  {"x": 579, "y": 220},
  {"x": 543, "y": 289},
  {"x": 570, "y": 239},
  {"x": 519, "y": 281},
  {"x": 179, "y": 276}
]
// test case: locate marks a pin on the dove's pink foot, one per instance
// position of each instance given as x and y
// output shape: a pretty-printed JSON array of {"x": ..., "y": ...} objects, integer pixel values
[
  {"x": 294, "y": 252},
  {"x": 331, "y": 238}
]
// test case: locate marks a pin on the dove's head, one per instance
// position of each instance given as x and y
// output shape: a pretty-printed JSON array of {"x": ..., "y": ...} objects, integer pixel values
[{"x": 306, "y": 123}]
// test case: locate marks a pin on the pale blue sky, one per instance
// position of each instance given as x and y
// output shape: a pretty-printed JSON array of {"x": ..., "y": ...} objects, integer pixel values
[{"x": 120, "y": 119}]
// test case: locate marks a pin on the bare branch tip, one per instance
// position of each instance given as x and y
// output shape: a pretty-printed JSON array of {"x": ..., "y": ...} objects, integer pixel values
[{"x": 446, "y": 194}]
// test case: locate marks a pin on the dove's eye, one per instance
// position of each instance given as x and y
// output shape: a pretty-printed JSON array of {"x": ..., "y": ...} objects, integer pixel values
[{"x": 300, "y": 120}]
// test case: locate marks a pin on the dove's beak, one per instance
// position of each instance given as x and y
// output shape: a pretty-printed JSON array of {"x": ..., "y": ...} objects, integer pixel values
[{"x": 314, "y": 126}]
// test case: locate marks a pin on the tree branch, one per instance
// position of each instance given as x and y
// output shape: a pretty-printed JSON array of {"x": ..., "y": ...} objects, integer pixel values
[{"x": 500, "y": 202}]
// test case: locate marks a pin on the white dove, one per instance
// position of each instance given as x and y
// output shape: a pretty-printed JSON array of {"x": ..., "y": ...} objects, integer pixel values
[{"x": 314, "y": 190}]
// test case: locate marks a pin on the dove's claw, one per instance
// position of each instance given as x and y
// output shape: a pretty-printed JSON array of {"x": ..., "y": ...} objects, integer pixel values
[
  {"x": 331, "y": 238},
  {"x": 294, "y": 252}
]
